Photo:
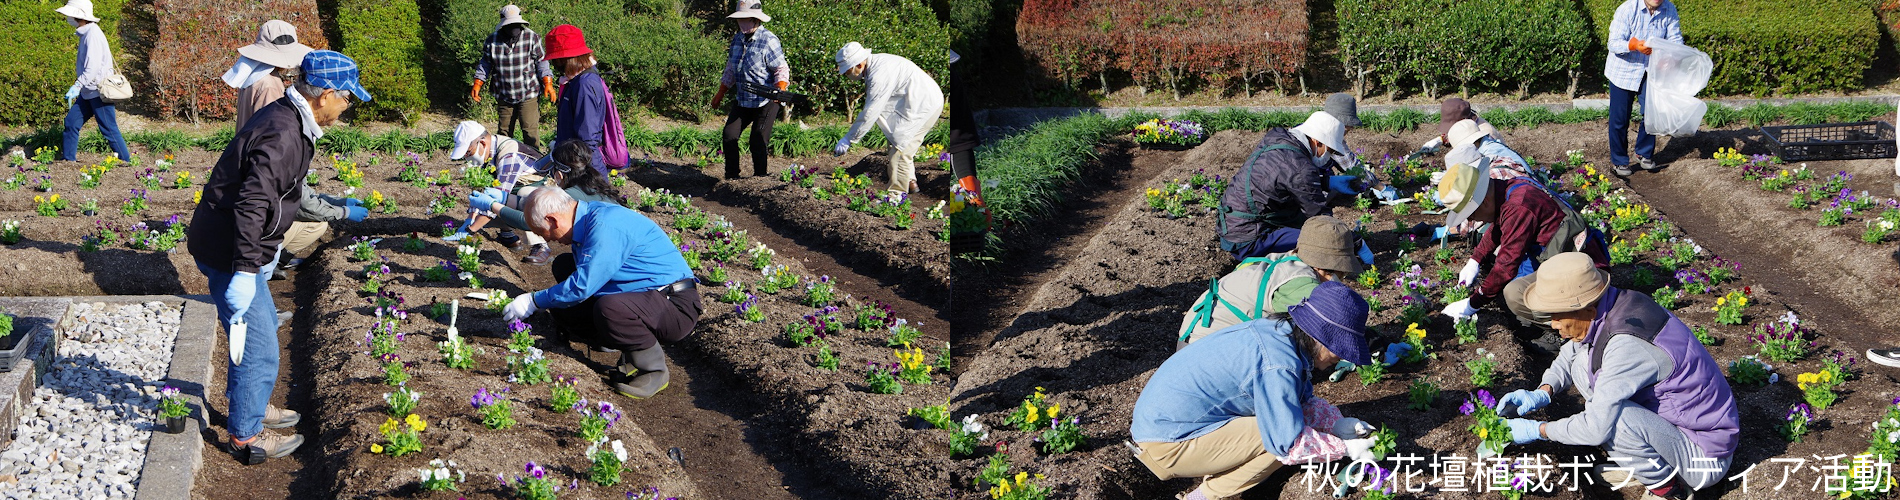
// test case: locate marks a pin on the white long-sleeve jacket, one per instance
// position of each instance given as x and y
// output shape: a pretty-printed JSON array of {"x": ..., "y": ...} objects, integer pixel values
[{"x": 901, "y": 99}]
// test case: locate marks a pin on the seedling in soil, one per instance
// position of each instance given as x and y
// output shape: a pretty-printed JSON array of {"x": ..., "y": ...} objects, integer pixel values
[
  {"x": 1728, "y": 308},
  {"x": 363, "y": 250},
  {"x": 1370, "y": 278},
  {"x": 468, "y": 257},
  {"x": 943, "y": 358},
  {"x": 1802, "y": 199},
  {"x": 1446, "y": 275},
  {"x": 1795, "y": 424},
  {"x": 403, "y": 437},
  {"x": 911, "y": 367},
  {"x": 1412, "y": 311},
  {"x": 381, "y": 204},
  {"x": 902, "y": 334},
  {"x": 1415, "y": 337},
  {"x": 1402, "y": 209},
  {"x": 438, "y": 310},
  {"x": 963, "y": 440},
  {"x": 457, "y": 353},
  {"x": 1782, "y": 341},
  {"x": 717, "y": 273},
  {"x": 800, "y": 333},
  {"x": 537, "y": 485},
  {"x": 1703, "y": 336},
  {"x": 1384, "y": 442},
  {"x": 1643, "y": 277},
  {"x": 494, "y": 408},
  {"x": 441, "y": 476},
  {"x": 497, "y": 301},
  {"x": 937, "y": 416},
  {"x": 373, "y": 277},
  {"x": 1483, "y": 371},
  {"x": 478, "y": 178},
  {"x": 690, "y": 221},
  {"x": 529, "y": 369},
  {"x": 150, "y": 180},
  {"x": 1877, "y": 231},
  {"x": 381, "y": 342},
  {"x": 1420, "y": 395},
  {"x": 874, "y": 316},
  {"x": 1493, "y": 433},
  {"x": 133, "y": 204},
  {"x": 607, "y": 462},
  {"x": 402, "y": 402},
  {"x": 595, "y": 420},
  {"x": 564, "y": 394},
  {"x": 1443, "y": 256},
  {"x": 89, "y": 177},
  {"x": 996, "y": 470},
  {"x": 10, "y": 232},
  {"x": 819, "y": 292},
  {"x": 45, "y": 185},
  {"x": 1747, "y": 371},
  {"x": 441, "y": 273},
  {"x": 441, "y": 204},
  {"x": 760, "y": 256},
  {"x": 1817, "y": 389},
  {"x": 394, "y": 370},
  {"x": 1365, "y": 224},
  {"x": 1466, "y": 329},
  {"x": 1374, "y": 303},
  {"x": 1833, "y": 216},
  {"x": 734, "y": 293},
  {"x": 882, "y": 379},
  {"x": 1408, "y": 243},
  {"x": 1063, "y": 437},
  {"x": 1695, "y": 281},
  {"x": 1371, "y": 373},
  {"x": 825, "y": 358},
  {"x": 1621, "y": 253},
  {"x": 1456, "y": 293},
  {"x": 1666, "y": 297},
  {"x": 750, "y": 310},
  {"x": 692, "y": 254},
  {"x": 413, "y": 244},
  {"x": 776, "y": 278},
  {"x": 1680, "y": 253},
  {"x": 311, "y": 178}
]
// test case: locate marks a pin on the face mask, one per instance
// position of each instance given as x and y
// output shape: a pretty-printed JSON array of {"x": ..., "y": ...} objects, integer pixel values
[
  {"x": 72, "y": 22},
  {"x": 1321, "y": 160}
]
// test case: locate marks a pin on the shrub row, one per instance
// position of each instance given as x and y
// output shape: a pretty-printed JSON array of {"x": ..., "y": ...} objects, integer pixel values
[
  {"x": 1505, "y": 45},
  {"x": 1166, "y": 42},
  {"x": 36, "y": 57},
  {"x": 198, "y": 40},
  {"x": 385, "y": 39},
  {"x": 1763, "y": 46}
]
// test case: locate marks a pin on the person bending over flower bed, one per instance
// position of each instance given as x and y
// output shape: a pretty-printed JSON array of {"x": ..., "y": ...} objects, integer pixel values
[
  {"x": 1284, "y": 182},
  {"x": 899, "y": 98},
  {"x": 564, "y": 168},
  {"x": 1653, "y": 398},
  {"x": 1325, "y": 253},
  {"x": 1238, "y": 404},
  {"x": 514, "y": 165},
  {"x": 625, "y": 286}
]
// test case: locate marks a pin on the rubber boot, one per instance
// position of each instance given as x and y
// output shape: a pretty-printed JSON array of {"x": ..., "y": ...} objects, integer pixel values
[{"x": 642, "y": 373}]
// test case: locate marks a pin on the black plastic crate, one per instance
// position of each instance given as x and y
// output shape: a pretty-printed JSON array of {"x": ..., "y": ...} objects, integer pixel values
[{"x": 1833, "y": 141}]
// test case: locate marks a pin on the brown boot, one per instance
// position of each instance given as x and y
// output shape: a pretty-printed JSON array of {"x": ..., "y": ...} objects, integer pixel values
[{"x": 265, "y": 445}]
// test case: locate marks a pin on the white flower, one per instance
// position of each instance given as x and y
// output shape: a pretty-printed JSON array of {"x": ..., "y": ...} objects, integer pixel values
[
  {"x": 1790, "y": 318},
  {"x": 620, "y": 451},
  {"x": 1893, "y": 436},
  {"x": 971, "y": 426},
  {"x": 465, "y": 276},
  {"x": 466, "y": 250}
]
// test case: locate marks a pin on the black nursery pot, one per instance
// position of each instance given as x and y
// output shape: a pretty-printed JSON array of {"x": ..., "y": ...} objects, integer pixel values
[
  {"x": 90, "y": 213},
  {"x": 174, "y": 425}
]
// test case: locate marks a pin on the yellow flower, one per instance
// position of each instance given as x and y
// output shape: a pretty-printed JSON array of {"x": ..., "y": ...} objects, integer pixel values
[
  {"x": 197, "y": 197},
  {"x": 1052, "y": 413},
  {"x": 416, "y": 422},
  {"x": 1020, "y": 476},
  {"x": 39, "y": 199},
  {"x": 376, "y": 197},
  {"x": 1484, "y": 433},
  {"x": 55, "y": 198},
  {"x": 1589, "y": 170},
  {"x": 1033, "y": 414},
  {"x": 389, "y": 425},
  {"x": 376, "y": 448},
  {"x": 1721, "y": 300}
]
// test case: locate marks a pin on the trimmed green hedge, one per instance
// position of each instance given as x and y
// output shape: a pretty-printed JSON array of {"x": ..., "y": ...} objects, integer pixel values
[
  {"x": 37, "y": 50},
  {"x": 385, "y": 39},
  {"x": 1504, "y": 45},
  {"x": 1763, "y": 47},
  {"x": 812, "y": 31}
]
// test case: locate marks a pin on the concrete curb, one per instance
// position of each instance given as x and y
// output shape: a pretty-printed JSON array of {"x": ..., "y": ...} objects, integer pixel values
[
  {"x": 1015, "y": 118},
  {"x": 39, "y": 316}
]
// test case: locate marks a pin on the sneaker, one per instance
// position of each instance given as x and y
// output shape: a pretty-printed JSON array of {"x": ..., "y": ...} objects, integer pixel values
[
  {"x": 265, "y": 445},
  {"x": 509, "y": 239},
  {"x": 290, "y": 265},
  {"x": 278, "y": 275},
  {"x": 278, "y": 418},
  {"x": 1646, "y": 164},
  {"x": 1621, "y": 170},
  {"x": 1889, "y": 356},
  {"x": 539, "y": 255}
]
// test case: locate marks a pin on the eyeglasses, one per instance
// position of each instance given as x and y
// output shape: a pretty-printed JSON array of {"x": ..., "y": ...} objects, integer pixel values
[{"x": 345, "y": 95}]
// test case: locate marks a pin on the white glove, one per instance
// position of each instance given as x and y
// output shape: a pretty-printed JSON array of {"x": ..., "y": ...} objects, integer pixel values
[
  {"x": 1436, "y": 176},
  {"x": 1433, "y": 145},
  {"x": 1352, "y": 428},
  {"x": 520, "y": 308},
  {"x": 1469, "y": 273},
  {"x": 1359, "y": 450},
  {"x": 1460, "y": 310},
  {"x": 841, "y": 147}
]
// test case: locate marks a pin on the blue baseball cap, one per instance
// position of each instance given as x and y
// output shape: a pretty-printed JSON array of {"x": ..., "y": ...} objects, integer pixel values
[{"x": 333, "y": 70}]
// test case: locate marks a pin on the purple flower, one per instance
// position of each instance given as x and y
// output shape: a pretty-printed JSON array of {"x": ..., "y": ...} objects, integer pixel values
[
  {"x": 536, "y": 471},
  {"x": 483, "y": 398},
  {"x": 1467, "y": 408},
  {"x": 1484, "y": 396}
]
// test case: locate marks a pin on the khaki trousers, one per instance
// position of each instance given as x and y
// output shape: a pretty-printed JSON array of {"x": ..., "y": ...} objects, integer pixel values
[
  {"x": 303, "y": 237},
  {"x": 903, "y": 168},
  {"x": 1513, "y": 296},
  {"x": 1232, "y": 459},
  {"x": 527, "y": 114}
]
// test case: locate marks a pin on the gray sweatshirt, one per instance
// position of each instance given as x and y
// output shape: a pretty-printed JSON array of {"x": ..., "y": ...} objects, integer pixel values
[{"x": 1629, "y": 365}]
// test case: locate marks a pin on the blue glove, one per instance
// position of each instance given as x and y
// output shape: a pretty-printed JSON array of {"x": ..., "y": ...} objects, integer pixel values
[
  {"x": 496, "y": 195},
  {"x": 1524, "y": 430},
  {"x": 479, "y": 200},
  {"x": 239, "y": 294},
  {"x": 72, "y": 93},
  {"x": 352, "y": 202},
  {"x": 1521, "y": 401},
  {"x": 357, "y": 213},
  {"x": 1396, "y": 351},
  {"x": 1438, "y": 233},
  {"x": 1342, "y": 184},
  {"x": 1365, "y": 253}
]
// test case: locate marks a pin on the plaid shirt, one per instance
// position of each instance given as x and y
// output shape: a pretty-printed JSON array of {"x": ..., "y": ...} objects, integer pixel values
[
  {"x": 757, "y": 59},
  {"x": 513, "y": 66},
  {"x": 1624, "y": 68}
]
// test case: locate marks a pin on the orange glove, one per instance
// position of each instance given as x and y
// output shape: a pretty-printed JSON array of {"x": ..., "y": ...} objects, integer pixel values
[
  {"x": 475, "y": 94},
  {"x": 782, "y": 85},
  {"x": 720, "y": 96},
  {"x": 547, "y": 88},
  {"x": 1637, "y": 45}
]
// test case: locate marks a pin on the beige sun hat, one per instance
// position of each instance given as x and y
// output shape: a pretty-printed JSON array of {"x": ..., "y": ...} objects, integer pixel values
[
  {"x": 1462, "y": 190},
  {"x": 78, "y": 9},
  {"x": 510, "y": 14},
  {"x": 752, "y": 9},
  {"x": 1329, "y": 243},
  {"x": 1565, "y": 283},
  {"x": 276, "y": 45},
  {"x": 1464, "y": 132}
]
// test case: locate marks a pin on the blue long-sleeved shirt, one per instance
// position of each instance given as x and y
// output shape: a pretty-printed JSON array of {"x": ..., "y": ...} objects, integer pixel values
[
  {"x": 1252, "y": 369},
  {"x": 581, "y": 113},
  {"x": 1624, "y": 68},
  {"x": 94, "y": 63},
  {"x": 616, "y": 250}
]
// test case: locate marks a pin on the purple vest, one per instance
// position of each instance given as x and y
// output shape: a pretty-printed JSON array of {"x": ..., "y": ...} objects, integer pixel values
[{"x": 1696, "y": 398}]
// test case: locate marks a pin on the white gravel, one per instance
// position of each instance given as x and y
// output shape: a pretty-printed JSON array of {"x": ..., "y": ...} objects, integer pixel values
[{"x": 84, "y": 432}]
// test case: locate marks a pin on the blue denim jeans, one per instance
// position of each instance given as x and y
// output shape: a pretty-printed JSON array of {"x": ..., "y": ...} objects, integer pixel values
[
  {"x": 1620, "y": 103},
  {"x": 1280, "y": 240},
  {"x": 248, "y": 386},
  {"x": 87, "y": 109}
]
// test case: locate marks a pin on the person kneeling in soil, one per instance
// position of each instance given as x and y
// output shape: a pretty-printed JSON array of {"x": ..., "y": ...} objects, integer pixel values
[
  {"x": 514, "y": 165},
  {"x": 1284, "y": 182},
  {"x": 1325, "y": 253},
  {"x": 625, "y": 285},
  {"x": 1471, "y": 146},
  {"x": 1238, "y": 404},
  {"x": 1653, "y": 398},
  {"x": 1528, "y": 226},
  {"x": 237, "y": 232},
  {"x": 565, "y": 169}
]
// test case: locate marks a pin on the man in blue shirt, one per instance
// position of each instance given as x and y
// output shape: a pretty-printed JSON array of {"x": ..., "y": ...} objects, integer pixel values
[
  {"x": 1635, "y": 23},
  {"x": 625, "y": 286},
  {"x": 1234, "y": 406}
]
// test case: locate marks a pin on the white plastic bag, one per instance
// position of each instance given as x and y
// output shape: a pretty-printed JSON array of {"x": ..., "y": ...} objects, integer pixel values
[{"x": 1676, "y": 73}]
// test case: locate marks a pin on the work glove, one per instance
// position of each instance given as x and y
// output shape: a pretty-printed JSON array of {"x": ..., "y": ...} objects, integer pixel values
[
  {"x": 1342, "y": 184},
  {"x": 782, "y": 85},
  {"x": 1460, "y": 310},
  {"x": 1396, "y": 351},
  {"x": 1637, "y": 45},
  {"x": 72, "y": 93},
  {"x": 1365, "y": 253},
  {"x": 520, "y": 308},
  {"x": 1432, "y": 146},
  {"x": 1389, "y": 196},
  {"x": 547, "y": 88},
  {"x": 1437, "y": 176},
  {"x": 1469, "y": 273},
  {"x": 455, "y": 237},
  {"x": 495, "y": 194},
  {"x": 357, "y": 213},
  {"x": 842, "y": 146},
  {"x": 1524, "y": 430},
  {"x": 1522, "y": 401},
  {"x": 238, "y": 296},
  {"x": 1439, "y": 233},
  {"x": 352, "y": 202},
  {"x": 480, "y": 200},
  {"x": 475, "y": 93},
  {"x": 720, "y": 96}
]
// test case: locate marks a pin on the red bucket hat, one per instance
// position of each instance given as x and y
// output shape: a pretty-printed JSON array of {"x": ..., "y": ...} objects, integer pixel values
[{"x": 566, "y": 41}]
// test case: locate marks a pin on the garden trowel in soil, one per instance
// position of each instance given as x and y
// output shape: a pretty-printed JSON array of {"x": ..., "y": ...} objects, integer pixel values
[
  {"x": 455, "y": 309},
  {"x": 778, "y": 95},
  {"x": 236, "y": 331}
]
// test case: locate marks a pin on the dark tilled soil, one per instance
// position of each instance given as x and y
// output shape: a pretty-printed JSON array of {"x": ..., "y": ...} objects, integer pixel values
[{"x": 1093, "y": 334}]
